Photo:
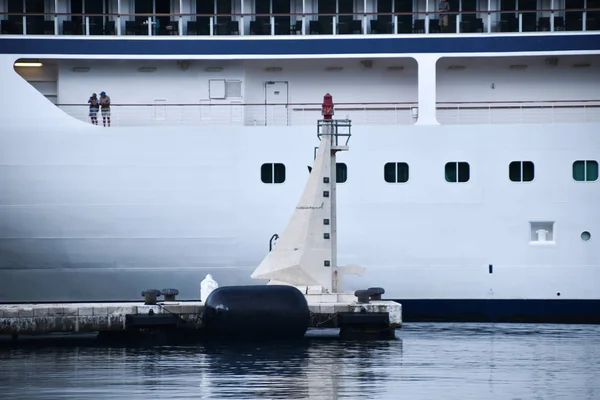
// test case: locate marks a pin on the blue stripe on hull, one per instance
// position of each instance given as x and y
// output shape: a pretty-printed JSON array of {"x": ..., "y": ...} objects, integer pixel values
[
  {"x": 371, "y": 45},
  {"x": 533, "y": 311}
]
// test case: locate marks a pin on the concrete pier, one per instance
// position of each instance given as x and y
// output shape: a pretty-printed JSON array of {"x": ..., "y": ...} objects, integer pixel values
[{"x": 377, "y": 319}]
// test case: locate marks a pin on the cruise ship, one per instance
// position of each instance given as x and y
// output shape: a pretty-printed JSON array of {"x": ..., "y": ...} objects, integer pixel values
[{"x": 470, "y": 192}]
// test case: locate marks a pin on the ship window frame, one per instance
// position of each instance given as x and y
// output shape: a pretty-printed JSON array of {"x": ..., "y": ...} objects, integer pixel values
[
  {"x": 341, "y": 171},
  {"x": 217, "y": 89},
  {"x": 585, "y": 174},
  {"x": 458, "y": 173},
  {"x": 517, "y": 172},
  {"x": 273, "y": 173},
  {"x": 395, "y": 172},
  {"x": 231, "y": 84}
]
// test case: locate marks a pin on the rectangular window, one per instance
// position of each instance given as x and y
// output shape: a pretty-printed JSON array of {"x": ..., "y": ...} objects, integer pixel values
[
  {"x": 395, "y": 172},
  {"x": 143, "y": 7},
  {"x": 585, "y": 170},
  {"x": 233, "y": 89},
  {"x": 457, "y": 171},
  {"x": 217, "y": 89},
  {"x": 521, "y": 171},
  {"x": 206, "y": 8},
  {"x": 35, "y": 23},
  {"x": 345, "y": 8},
  {"x": 384, "y": 6},
  {"x": 223, "y": 7},
  {"x": 272, "y": 173},
  {"x": 341, "y": 173},
  {"x": 280, "y": 9}
]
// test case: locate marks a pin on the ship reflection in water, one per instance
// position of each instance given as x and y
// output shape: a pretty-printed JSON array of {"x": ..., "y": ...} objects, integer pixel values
[{"x": 428, "y": 361}]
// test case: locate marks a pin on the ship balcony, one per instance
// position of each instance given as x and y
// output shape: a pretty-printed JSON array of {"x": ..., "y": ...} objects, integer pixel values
[{"x": 294, "y": 17}]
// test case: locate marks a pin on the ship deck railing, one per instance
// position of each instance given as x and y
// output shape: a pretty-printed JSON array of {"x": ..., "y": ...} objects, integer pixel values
[
  {"x": 300, "y": 23},
  {"x": 298, "y": 114}
]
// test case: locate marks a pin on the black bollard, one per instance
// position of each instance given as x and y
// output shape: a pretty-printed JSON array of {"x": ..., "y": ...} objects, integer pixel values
[
  {"x": 376, "y": 292},
  {"x": 363, "y": 296},
  {"x": 150, "y": 296},
  {"x": 170, "y": 294}
]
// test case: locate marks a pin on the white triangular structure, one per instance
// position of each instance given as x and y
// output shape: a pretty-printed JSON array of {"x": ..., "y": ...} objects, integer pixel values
[{"x": 305, "y": 255}]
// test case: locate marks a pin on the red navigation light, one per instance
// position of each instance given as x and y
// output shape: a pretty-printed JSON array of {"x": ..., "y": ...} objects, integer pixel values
[{"x": 327, "y": 108}]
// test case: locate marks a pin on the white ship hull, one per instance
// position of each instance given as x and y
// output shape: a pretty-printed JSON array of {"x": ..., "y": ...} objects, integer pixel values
[
  {"x": 104, "y": 216},
  {"x": 88, "y": 213}
]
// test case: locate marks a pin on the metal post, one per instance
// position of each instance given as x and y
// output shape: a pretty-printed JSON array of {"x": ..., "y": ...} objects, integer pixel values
[
  {"x": 304, "y": 20},
  {"x": 180, "y": 21},
  {"x": 271, "y": 18},
  {"x": 365, "y": 28},
  {"x": 489, "y": 16},
  {"x": 55, "y": 17},
  {"x": 394, "y": 18},
  {"x": 489, "y": 23},
  {"x": 118, "y": 18},
  {"x": 584, "y": 17},
  {"x": 24, "y": 18},
  {"x": 242, "y": 18},
  {"x": 335, "y": 18},
  {"x": 427, "y": 16}
]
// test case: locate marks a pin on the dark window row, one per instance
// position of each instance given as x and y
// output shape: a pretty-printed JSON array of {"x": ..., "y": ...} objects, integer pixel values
[
  {"x": 454, "y": 172},
  {"x": 101, "y": 24},
  {"x": 275, "y": 173}
]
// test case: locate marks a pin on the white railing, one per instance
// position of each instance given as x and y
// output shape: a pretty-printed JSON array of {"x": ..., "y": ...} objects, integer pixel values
[
  {"x": 551, "y": 112},
  {"x": 360, "y": 114},
  {"x": 246, "y": 114}
]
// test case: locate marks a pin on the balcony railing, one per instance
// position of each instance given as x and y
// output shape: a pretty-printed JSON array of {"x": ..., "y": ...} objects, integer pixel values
[
  {"x": 131, "y": 115},
  {"x": 424, "y": 22}
]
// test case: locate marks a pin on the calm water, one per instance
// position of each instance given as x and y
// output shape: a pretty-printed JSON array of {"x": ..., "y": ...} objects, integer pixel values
[{"x": 428, "y": 361}]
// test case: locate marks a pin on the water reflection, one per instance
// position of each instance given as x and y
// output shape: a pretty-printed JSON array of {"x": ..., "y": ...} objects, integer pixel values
[
  {"x": 430, "y": 361},
  {"x": 308, "y": 369},
  {"x": 283, "y": 365}
]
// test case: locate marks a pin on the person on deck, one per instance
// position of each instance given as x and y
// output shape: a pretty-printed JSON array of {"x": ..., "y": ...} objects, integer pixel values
[
  {"x": 444, "y": 8},
  {"x": 105, "y": 104},
  {"x": 94, "y": 107}
]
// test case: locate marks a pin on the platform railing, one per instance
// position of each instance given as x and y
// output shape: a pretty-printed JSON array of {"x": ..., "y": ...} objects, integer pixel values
[
  {"x": 307, "y": 23},
  {"x": 550, "y": 112}
]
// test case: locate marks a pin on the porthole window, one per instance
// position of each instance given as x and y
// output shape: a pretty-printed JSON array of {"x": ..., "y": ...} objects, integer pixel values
[
  {"x": 521, "y": 171},
  {"x": 585, "y": 236},
  {"x": 457, "y": 171},
  {"x": 395, "y": 172},
  {"x": 585, "y": 170},
  {"x": 272, "y": 173}
]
